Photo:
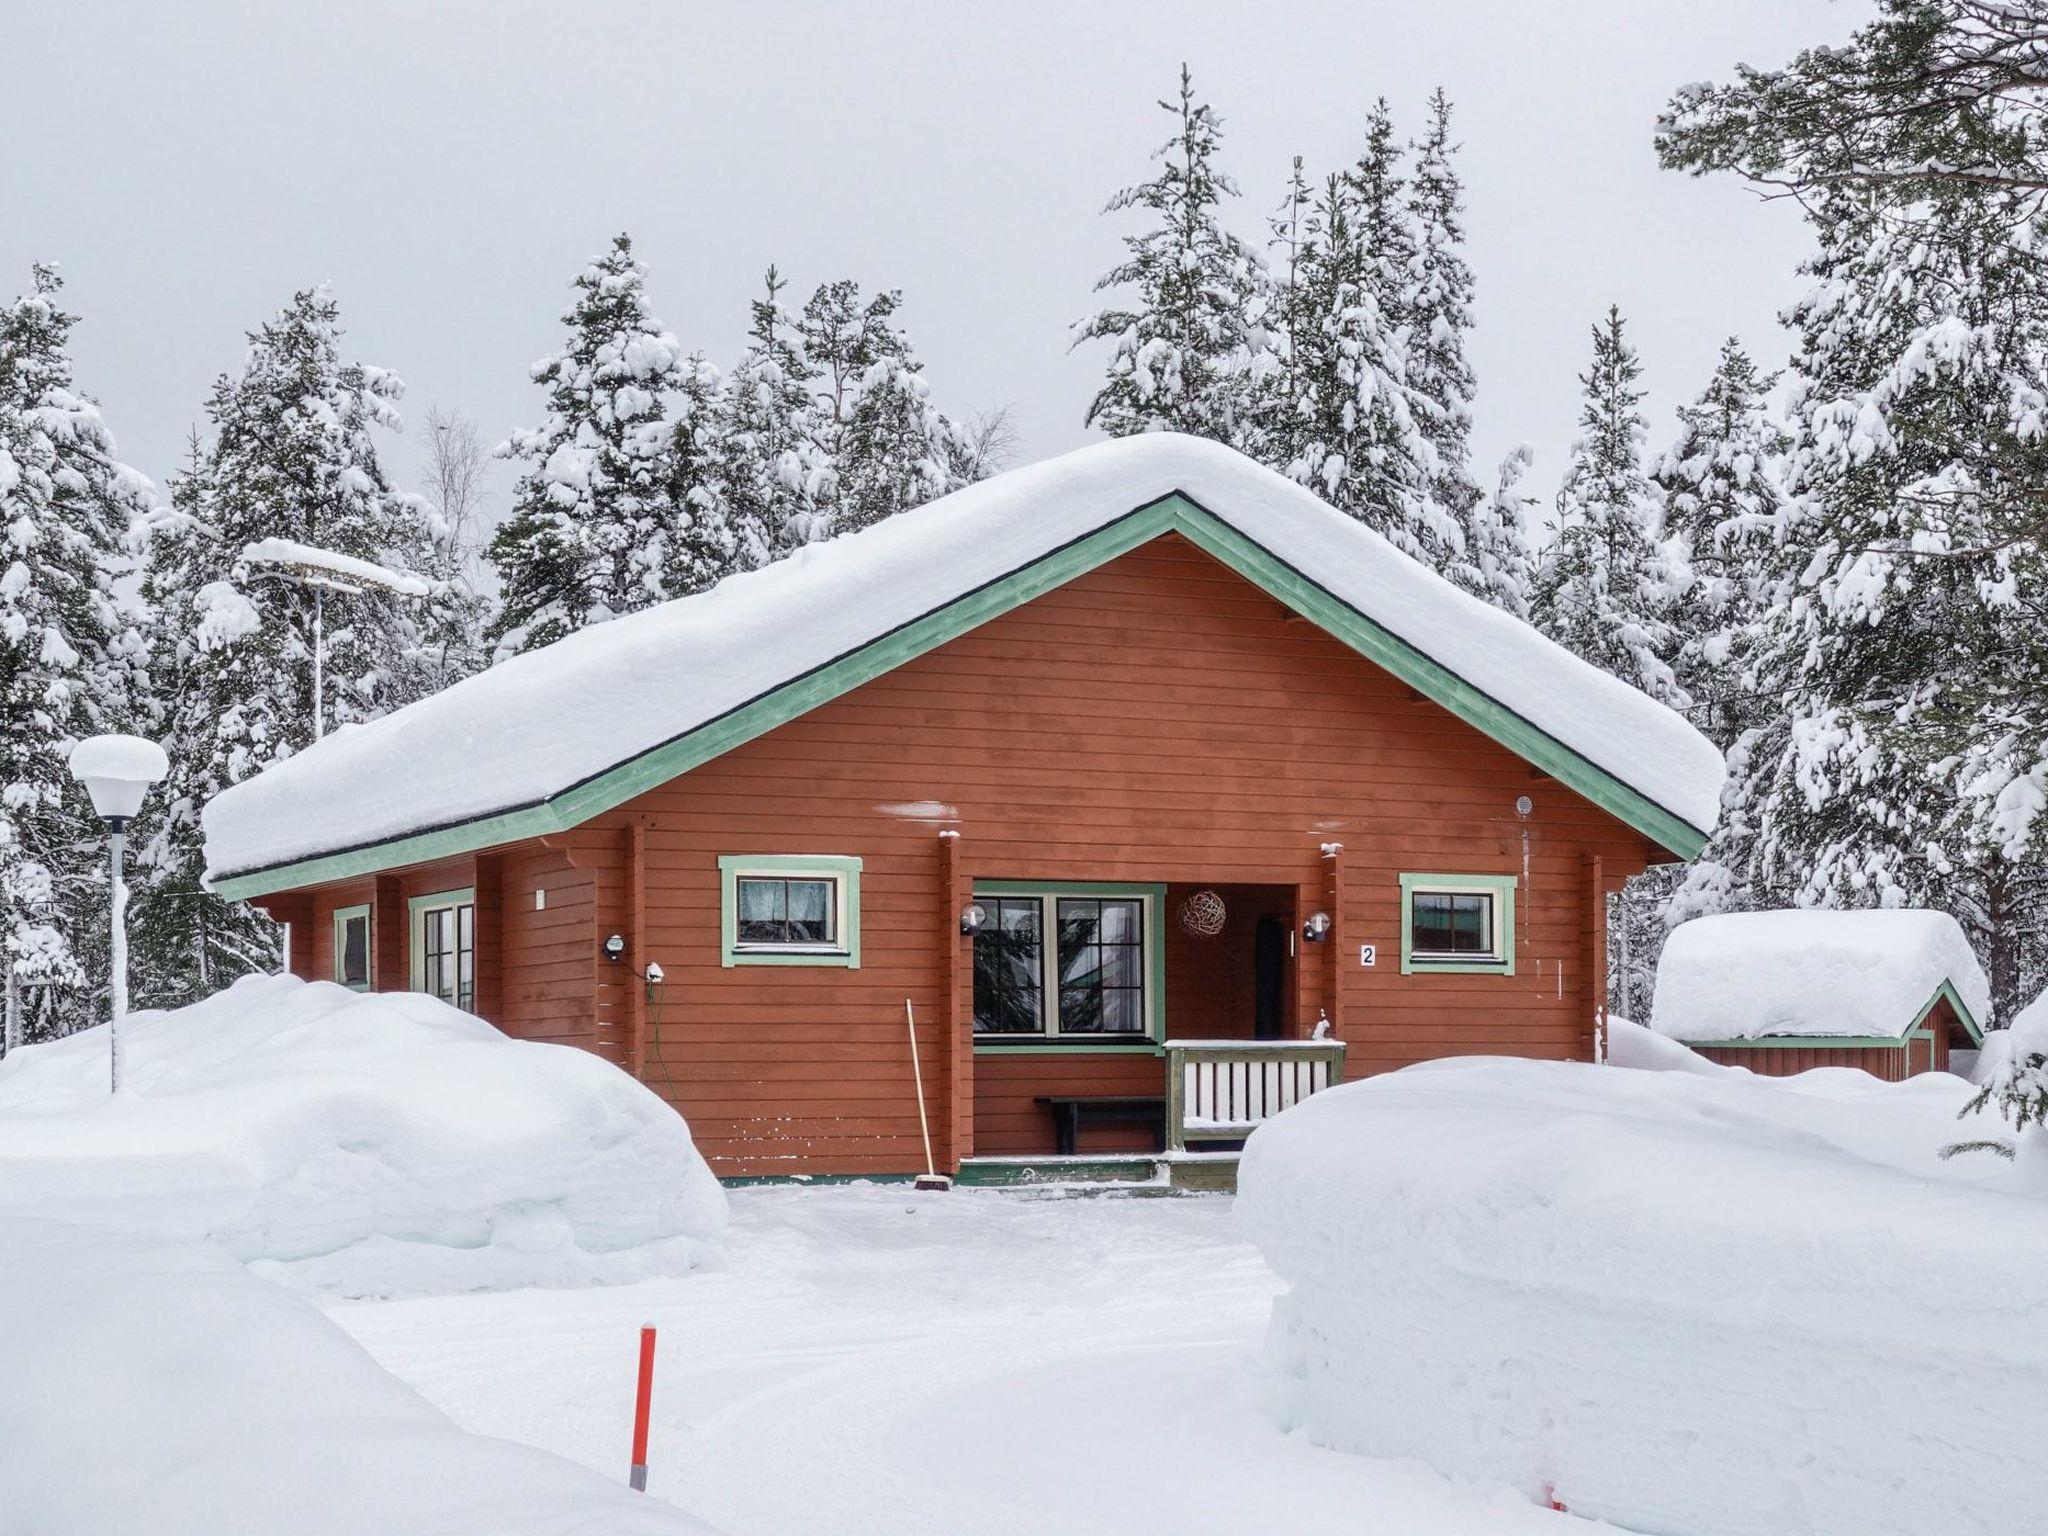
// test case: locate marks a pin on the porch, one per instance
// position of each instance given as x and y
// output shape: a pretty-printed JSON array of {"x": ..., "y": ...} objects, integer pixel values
[{"x": 1140, "y": 1033}]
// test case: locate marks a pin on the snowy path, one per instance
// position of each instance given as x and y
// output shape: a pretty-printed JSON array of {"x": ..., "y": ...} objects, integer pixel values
[{"x": 975, "y": 1364}]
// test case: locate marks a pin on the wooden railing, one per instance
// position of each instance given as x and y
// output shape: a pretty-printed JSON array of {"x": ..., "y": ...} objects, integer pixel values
[{"x": 1220, "y": 1090}]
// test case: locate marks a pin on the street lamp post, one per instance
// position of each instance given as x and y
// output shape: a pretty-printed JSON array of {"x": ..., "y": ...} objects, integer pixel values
[{"x": 117, "y": 772}]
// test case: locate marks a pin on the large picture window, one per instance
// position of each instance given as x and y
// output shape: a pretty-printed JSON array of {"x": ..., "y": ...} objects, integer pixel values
[
  {"x": 1073, "y": 966},
  {"x": 444, "y": 947},
  {"x": 789, "y": 909},
  {"x": 1458, "y": 923}
]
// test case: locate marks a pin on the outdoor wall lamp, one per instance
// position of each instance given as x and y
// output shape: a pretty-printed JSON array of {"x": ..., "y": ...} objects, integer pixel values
[
  {"x": 1316, "y": 928},
  {"x": 973, "y": 918},
  {"x": 615, "y": 947}
]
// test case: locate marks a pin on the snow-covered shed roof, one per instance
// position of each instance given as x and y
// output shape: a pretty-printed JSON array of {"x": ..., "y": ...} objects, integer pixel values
[
  {"x": 1868, "y": 975},
  {"x": 549, "y": 738}
]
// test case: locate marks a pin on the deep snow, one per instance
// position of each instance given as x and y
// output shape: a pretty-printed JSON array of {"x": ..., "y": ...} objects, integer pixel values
[
  {"x": 1740, "y": 975},
  {"x": 870, "y": 1361},
  {"x": 612, "y": 691},
  {"x": 1699, "y": 1302},
  {"x": 153, "y": 1387},
  {"x": 365, "y": 1143}
]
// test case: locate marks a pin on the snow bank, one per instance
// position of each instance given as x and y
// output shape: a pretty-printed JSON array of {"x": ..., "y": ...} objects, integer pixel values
[
  {"x": 611, "y": 692},
  {"x": 1684, "y": 1302},
  {"x": 361, "y": 1143},
  {"x": 1747, "y": 974},
  {"x": 157, "y": 1388}
]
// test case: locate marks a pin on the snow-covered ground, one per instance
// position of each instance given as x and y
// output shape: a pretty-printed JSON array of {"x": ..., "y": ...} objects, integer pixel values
[
  {"x": 866, "y": 1359},
  {"x": 370, "y": 1144},
  {"x": 1683, "y": 1300},
  {"x": 154, "y": 1387}
]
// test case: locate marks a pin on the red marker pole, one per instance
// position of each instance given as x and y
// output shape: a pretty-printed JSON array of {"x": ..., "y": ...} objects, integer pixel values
[{"x": 643, "y": 1398}]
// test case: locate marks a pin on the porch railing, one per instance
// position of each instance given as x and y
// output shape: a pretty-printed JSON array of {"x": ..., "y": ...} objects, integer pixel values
[{"x": 1221, "y": 1090}]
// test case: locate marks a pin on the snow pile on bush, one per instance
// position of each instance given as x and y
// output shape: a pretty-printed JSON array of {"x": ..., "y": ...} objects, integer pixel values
[
  {"x": 371, "y": 1144},
  {"x": 1678, "y": 1301},
  {"x": 1744, "y": 974},
  {"x": 157, "y": 1388}
]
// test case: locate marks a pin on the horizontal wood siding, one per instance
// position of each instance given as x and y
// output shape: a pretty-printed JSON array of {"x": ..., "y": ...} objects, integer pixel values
[{"x": 1785, "y": 1061}]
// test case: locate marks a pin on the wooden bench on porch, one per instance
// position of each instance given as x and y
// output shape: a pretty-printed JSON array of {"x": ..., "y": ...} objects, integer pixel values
[{"x": 1069, "y": 1111}]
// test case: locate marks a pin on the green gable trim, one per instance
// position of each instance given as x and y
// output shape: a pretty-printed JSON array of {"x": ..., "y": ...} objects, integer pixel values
[
  {"x": 1947, "y": 990},
  {"x": 1173, "y": 513}
]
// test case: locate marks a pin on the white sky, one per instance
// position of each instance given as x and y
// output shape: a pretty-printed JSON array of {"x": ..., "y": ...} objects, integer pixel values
[{"x": 448, "y": 169}]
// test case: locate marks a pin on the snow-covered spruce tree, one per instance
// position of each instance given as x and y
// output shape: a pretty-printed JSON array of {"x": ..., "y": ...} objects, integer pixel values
[
  {"x": 69, "y": 653},
  {"x": 1277, "y": 401},
  {"x": 771, "y": 472},
  {"x": 1363, "y": 448},
  {"x": 290, "y": 457},
  {"x": 703, "y": 546},
  {"x": 1185, "y": 342},
  {"x": 1908, "y": 644},
  {"x": 1606, "y": 588},
  {"x": 1724, "y": 513},
  {"x": 1497, "y": 540},
  {"x": 587, "y": 537},
  {"x": 1438, "y": 319},
  {"x": 450, "y": 624},
  {"x": 883, "y": 444}
]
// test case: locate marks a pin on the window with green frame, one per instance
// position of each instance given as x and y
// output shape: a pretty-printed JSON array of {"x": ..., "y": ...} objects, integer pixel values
[
  {"x": 1068, "y": 966},
  {"x": 789, "y": 909},
  {"x": 352, "y": 947},
  {"x": 1458, "y": 924},
  {"x": 444, "y": 947}
]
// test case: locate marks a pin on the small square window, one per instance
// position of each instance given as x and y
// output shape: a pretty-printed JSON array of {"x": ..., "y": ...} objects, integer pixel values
[
  {"x": 790, "y": 909},
  {"x": 780, "y": 911},
  {"x": 1458, "y": 923}
]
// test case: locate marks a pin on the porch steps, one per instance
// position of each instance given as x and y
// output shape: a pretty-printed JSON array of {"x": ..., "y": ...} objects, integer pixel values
[{"x": 1133, "y": 1173}]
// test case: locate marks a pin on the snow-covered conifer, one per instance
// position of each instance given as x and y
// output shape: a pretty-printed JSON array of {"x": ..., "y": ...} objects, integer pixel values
[
  {"x": 1438, "y": 318},
  {"x": 772, "y": 470},
  {"x": 68, "y": 653},
  {"x": 884, "y": 445},
  {"x": 703, "y": 546},
  {"x": 1497, "y": 548},
  {"x": 1724, "y": 513},
  {"x": 1606, "y": 586},
  {"x": 1185, "y": 335},
  {"x": 239, "y": 632},
  {"x": 587, "y": 538}
]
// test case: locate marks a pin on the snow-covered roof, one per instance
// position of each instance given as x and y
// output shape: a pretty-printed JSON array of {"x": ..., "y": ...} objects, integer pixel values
[
  {"x": 1850, "y": 975},
  {"x": 538, "y": 725}
]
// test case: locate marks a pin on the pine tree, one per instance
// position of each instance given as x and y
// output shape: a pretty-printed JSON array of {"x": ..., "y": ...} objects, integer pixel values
[
  {"x": 1438, "y": 318},
  {"x": 1606, "y": 586},
  {"x": 587, "y": 538},
  {"x": 883, "y": 444},
  {"x": 772, "y": 474},
  {"x": 1185, "y": 343},
  {"x": 1364, "y": 448},
  {"x": 68, "y": 654},
  {"x": 236, "y": 635},
  {"x": 1723, "y": 512},
  {"x": 1906, "y": 639}
]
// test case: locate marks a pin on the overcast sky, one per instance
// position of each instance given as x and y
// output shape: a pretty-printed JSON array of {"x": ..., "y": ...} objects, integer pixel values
[{"x": 448, "y": 168}]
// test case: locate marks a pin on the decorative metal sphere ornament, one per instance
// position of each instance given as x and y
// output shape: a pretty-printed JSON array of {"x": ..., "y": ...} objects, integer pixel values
[{"x": 1202, "y": 914}]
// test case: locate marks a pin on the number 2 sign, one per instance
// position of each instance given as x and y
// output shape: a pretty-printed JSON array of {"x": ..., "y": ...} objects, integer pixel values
[{"x": 1368, "y": 954}]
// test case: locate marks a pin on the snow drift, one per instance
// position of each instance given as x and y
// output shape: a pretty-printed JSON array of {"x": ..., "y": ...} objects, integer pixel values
[
  {"x": 1741, "y": 975},
  {"x": 1683, "y": 1302},
  {"x": 360, "y": 1143},
  {"x": 157, "y": 1388}
]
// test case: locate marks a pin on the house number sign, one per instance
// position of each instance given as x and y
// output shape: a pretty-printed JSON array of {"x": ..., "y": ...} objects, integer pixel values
[{"x": 1368, "y": 954}]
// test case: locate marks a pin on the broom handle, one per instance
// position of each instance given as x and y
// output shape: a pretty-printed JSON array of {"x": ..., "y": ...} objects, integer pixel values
[{"x": 917, "y": 1072}]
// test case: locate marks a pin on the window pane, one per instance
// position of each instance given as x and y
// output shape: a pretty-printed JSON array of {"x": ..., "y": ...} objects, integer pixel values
[
  {"x": 763, "y": 911},
  {"x": 1451, "y": 923},
  {"x": 1102, "y": 966},
  {"x": 1080, "y": 1010},
  {"x": 1120, "y": 966},
  {"x": 810, "y": 911},
  {"x": 1009, "y": 958},
  {"x": 355, "y": 952},
  {"x": 1119, "y": 922},
  {"x": 1122, "y": 1011}
]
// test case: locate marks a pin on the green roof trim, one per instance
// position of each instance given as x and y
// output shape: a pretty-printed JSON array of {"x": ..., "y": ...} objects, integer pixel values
[{"x": 1174, "y": 513}]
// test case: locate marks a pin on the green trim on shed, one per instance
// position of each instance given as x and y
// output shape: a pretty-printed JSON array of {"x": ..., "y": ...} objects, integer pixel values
[
  {"x": 1853, "y": 1042},
  {"x": 1173, "y": 513}
]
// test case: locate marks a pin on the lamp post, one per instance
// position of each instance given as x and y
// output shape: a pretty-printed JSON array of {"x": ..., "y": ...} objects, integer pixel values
[{"x": 117, "y": 772}]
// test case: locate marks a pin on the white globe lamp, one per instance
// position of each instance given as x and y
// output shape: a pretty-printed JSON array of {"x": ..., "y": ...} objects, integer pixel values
[{"x": 117, "y": 772}]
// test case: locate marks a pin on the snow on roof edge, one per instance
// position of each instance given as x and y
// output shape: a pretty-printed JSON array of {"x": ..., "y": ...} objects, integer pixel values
[{"x": 733, "y": 644}]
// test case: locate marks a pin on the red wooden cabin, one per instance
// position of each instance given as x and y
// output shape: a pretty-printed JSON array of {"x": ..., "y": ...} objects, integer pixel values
[{"x": 1141, "y": 757}]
